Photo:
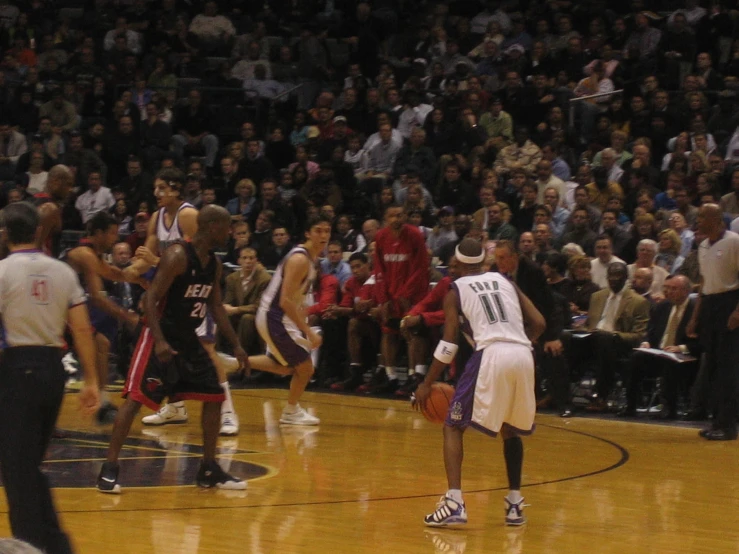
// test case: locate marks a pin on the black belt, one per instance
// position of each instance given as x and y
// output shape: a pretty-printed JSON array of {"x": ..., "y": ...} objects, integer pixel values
[{"x": 32, "y": 356}]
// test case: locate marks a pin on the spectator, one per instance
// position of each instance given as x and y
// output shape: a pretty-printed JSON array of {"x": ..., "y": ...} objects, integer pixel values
[
  {"x": 242, "y": 205},
  {"x": 498, "y": 228},
  {"x": 604, "y": 258},
  {"x": 646, "y": 254},
  {"x": 214, "y": 32},
  {"x": 444, "y": 232},
  {"x": 581, "y": 232},
  {"x": 666, "y": 331},
  {"x": 12, "y": 146},
  {"x": 670, "y": 246},
  {"x": 521, "y": 154},
  {"x": 546, "y": 179},
  {"x": 602, "y": 188},
  {"x": 241, "y": 298},
  {"x": 618, "y": 319},
  {"x": 272, "y": 255},
  {"x": 611, "y": 228},
  {"x": 97, "y": 198},
  {"x": 644, "y": 39},
  {"x": 36, "y": 177},
  {"x": 193, "y": 125},
  {"x": 334, "y": 263},
  {"x": 61, "y": 113},
  {"x": 730, "y": 201}
]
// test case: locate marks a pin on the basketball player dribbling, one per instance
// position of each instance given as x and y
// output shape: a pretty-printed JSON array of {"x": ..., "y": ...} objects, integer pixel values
[
  {"x": 495, "y": 393},
  {"x": 176, "y": 220},
  {"x": 282, "y": 322}
]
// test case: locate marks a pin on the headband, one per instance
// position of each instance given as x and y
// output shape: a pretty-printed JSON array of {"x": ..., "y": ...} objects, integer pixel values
[{"x": 469, "y": 259}]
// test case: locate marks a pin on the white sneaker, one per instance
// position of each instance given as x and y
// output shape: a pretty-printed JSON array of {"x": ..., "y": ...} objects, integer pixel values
[
  {"x": 299, "y": 417},
  {"x": 229, "y": 424},
  {"x": 71, "y": 365},
  {"x": 230, "y": 363},
  {"x": 167, "y": 414}
]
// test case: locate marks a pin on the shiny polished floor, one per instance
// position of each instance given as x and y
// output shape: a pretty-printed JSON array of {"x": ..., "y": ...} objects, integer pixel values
[{"x": 363, "y": 480}]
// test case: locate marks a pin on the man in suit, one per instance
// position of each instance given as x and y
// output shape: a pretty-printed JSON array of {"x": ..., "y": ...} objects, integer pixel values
[
  {"x": 666, "y": 331},
  {"x": 617, "y": 319},
  {"x": 244, "y": 289}
]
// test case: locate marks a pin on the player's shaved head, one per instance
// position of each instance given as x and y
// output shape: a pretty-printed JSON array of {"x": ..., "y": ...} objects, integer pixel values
[
  {"x": 470, "y": 248},
  {"x": 59, "y": 182},
  {"x": 213, "y": 213},
  {"x": 60, "y": 171}
]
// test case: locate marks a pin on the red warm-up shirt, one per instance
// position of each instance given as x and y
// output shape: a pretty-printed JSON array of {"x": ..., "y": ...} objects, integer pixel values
[
  {"x": 354, "y": 291},
  {"x": 327, "y": 295},
  {"x": 404, "y": 264},
  {"x": 431, "y": 308}
]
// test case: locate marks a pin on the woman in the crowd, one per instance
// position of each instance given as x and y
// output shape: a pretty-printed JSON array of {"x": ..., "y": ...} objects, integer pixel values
[
  {"x": 669, "y": 257},
  {"x": 242, "y": 204}
]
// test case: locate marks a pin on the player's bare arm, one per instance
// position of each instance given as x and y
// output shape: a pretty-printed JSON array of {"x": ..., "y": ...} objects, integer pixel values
[
  {"x": 149, "y": 253},
  {"x": 174, "y": 263},
  {"x": 51, "y": 222},
  {"x": 78, "y": 321},
  {"x": 291, "y": 299},
  {"x": 445, "y": 351},
  {"x": 215, "y": 303},
  {"x": 533, "y": 321},
  {"x": 87, "y": 263},
  {"x": 188, "y": 220}
]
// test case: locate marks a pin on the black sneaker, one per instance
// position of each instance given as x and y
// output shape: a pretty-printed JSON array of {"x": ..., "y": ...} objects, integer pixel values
[
  {"x": 106, "y": 414},
  {"x": 108, "y": 478},
  {"x": 389, "y": 386},
  {"x": 410, "y": 386},
  {"x": 378, "y": 378},
  {"x": 211, "y": 475}
]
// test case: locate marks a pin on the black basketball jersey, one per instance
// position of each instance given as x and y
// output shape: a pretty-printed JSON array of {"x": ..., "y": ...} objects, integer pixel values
[{"x": 186, "y": 303}]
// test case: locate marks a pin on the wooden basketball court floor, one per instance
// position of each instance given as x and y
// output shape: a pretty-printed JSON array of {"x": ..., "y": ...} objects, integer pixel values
[{"x": 363, "y": 480}]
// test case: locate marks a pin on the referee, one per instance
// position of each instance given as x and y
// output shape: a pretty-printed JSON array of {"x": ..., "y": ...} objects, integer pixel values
[
  {"x": 717, "y": 319},
  {"x": 39, "y": 298}
]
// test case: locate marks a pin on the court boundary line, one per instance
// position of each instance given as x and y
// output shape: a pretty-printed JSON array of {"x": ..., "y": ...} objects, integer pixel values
[{"x": 624, "y": 458}]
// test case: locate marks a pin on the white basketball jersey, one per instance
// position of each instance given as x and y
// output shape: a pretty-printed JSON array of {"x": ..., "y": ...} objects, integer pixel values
[
  {"x": 167, "y": 236},
  {"x": 490, "y": 310}
]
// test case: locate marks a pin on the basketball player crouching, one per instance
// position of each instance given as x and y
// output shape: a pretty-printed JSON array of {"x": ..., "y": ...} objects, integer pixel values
[
  {"x": 495, "y": 393},
  {"x": 169, "y": 360}
]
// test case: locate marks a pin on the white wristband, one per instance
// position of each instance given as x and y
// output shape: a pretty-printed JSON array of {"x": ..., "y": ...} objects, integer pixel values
[{"x": 445, "y": 351}]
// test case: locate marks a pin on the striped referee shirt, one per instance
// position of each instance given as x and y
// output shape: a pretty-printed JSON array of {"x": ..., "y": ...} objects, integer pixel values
[{"x": 36, "y": 293}]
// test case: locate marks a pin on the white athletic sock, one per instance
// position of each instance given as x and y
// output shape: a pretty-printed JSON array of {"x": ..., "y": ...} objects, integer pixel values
[
  {"x": 456, "y": 495},
  {"x": 178, "y": 405},
  {"x": 227, "y": 406},
  {"x": 291, "y": 408},
  {"x": 421, "y": 369},
  {"x": 514, "y": 497},
  {"x": 390, "y": 372}
]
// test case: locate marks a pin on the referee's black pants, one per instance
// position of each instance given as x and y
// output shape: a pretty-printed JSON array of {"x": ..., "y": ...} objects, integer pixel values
[
  {"x": 31, "y": 392},
  {"x": 721, "y": 348}
]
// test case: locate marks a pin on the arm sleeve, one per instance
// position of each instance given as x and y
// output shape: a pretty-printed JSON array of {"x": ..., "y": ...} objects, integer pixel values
[
  {"x": 347, "y": 295},
  {"x": 381, "y": 291},
  {"x": 431, "y": 307},
  {"x": 329, "y": 293}
]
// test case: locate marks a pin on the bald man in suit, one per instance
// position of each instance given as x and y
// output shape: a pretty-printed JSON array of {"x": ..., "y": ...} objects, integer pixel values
[
  {"x": 618, "y": 319},
  {"x": 244, "y": 289}
]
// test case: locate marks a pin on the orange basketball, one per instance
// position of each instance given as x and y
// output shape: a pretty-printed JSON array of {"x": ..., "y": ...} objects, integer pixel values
[{"x": 438, "y": 402}]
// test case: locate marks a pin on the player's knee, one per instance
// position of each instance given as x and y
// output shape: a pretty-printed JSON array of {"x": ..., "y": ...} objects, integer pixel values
[{"x": 305, "y": 369}]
